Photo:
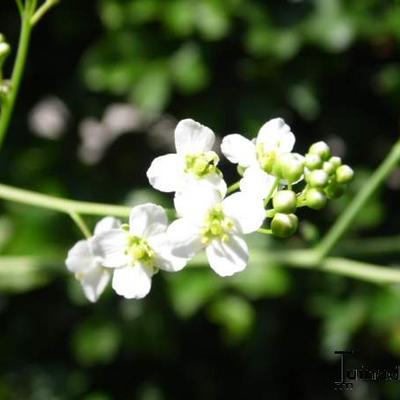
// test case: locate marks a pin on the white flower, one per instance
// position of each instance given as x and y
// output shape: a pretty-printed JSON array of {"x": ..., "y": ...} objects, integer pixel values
[
  {"x": 258, "y": 156},
  {"x": 216, "y": 224},
  {"x": 86, "y": 264},
  {"x": 194, "y": 160},
  {"x": 135, "y": 253}
]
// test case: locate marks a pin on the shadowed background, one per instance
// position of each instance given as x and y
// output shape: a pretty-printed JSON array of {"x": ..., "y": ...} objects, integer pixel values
[{"x": 105, "y": 83}]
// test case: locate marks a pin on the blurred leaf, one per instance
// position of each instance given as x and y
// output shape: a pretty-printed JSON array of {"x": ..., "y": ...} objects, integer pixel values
[
  {"x": 96, "y": 342},
  {"x": 234, "y": 314},
  {"x": 24, "y": 273},
  {"x": 191, "y": 289},
  {"x": 179, "y": 17},
  {"x": 212, "y": 19},
  {"x": 188, "y": 69},
  {"x": 152, "y": 90},
  {"x": 303, "y": 99}
]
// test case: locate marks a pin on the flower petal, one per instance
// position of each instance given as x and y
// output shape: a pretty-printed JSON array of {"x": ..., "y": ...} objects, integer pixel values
[
  {"x": 147, "y": 220},
  {"x": 105, "y": 224},
  {"x": 94, "y": 282},
  {"x": 80, "y": 258},
  {"x": 164, "y": 258},
  {"x": 276, "y": 135},
  {"x": 196, "y": 200},
  {"x": 248, "y": 212},
  {"x": 166, "y": 173},
  {"x": 109, "y": 248},
  {"x": 257, "y": 183},
  {"x": 184, "y": 238},
  {"x": 239, "y": 150},
  {"x": 132, "y": 282},
  {"x": 227, "y": 258},
  {"x": 192, "y": 137}
]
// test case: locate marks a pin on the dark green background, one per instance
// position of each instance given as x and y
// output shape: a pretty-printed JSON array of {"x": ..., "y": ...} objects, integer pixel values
[{"x": 331, "y": 68}]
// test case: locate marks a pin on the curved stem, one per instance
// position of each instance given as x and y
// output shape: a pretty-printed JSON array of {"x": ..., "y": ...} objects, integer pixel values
[
  {"x": 79, "y": 221},
  {"x": 43, "y": 9},
  {"x": 23, "y": 45},
  {"x": 346, "y": 219},
  {"x": 63, "y": 205}
]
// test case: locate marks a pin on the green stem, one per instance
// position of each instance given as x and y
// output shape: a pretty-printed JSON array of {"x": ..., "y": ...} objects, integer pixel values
[
  {"x": 43, "y": 9},
  {"x": 346, "y": 219},
  {"x": 63, "y": 205},
  {"x": 233, "y": 187},
  {"x": 79, "y": 221},
  {"x": 23, "y": 45},
  {"x": 265, "y": 231}
]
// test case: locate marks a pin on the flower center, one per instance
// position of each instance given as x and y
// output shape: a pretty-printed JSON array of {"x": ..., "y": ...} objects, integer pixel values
[
  {"x": 140, "y": 250},
  {"x": 266, "y": 159},
  {"x": 216, "y": 226},
  {"x": 201, "y": 164}
]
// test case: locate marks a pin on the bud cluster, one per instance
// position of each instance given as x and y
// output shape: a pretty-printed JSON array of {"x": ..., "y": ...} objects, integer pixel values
[{"x": 325, "y": 178}]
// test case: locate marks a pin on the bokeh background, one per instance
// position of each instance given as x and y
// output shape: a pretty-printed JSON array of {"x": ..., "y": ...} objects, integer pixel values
[{"x": 106, "y": 82}]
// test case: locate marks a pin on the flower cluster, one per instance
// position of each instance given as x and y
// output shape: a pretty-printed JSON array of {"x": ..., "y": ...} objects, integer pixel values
[{"x": 208, "y": 215}]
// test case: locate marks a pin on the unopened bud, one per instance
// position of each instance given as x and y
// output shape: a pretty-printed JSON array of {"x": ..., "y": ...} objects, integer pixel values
[
  {"x": 284, "y": 201},
  {"x": 312, "y": 161},
  {"x": 290, "y": 166},
  {"x": 322, "y": 149},
  {"x": 4, "y": 50},
  {"x": 344, "y": 174},
  {"x": 328, "y": 167},
  {"x": 318, "y": 178},
  {"x": 315, "y": 199},
  {"x": 336, "y": 161},
  {"x": 284, "y": 225},
  {"x": 240, "y": 170}
]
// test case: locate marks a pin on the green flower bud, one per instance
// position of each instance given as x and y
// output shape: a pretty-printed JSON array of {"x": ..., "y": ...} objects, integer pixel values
[
  {"x": 328, "y": 167},
  {"x": 344, "y": 174},
  {"x": 4, "y": 50},
  {"x": 289, "y": 166},
  {"x": 318, "y": 178},
  {"x": 336, "y": 161},
  {"x": 321, "y": 149},
  {"x": 240, "y": 170},
  {"x": 315, "y": 199},
  {"x": 334, "y": 190},
  {"x": 313, "y": 161},
  {"x": 284, "y": 225},
  {"x": 284, "y": 201}
]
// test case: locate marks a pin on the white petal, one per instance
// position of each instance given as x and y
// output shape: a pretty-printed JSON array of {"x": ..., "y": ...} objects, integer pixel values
[
  {"x": 185, "y": 238},
  {"x": 216, "y": 181},
  {"x": 276, "y": 135},
  {"x": 192, "y": 137},
  {"x": 166, "y": 173},
  {"x": 227, "y": 258},
  {"x": 109, "y": 247},
  {"x": 239, "y": 150},
  {"x": 257, "y": 183},
  {"x": 94, "y": 282},
  {"x": 196, "y": 200},
  {"x": 248, "y": 212},
  {"x": 80, "y": 258},
  {"x": 164, "y": 259},
  {"x": 132, "y": 282},
  {"x": 105, "y": 224},
  {"x": 147, "y": 220}
]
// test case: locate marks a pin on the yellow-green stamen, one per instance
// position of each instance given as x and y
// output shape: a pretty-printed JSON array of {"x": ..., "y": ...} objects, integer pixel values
[{"x": 216, "y": 226}]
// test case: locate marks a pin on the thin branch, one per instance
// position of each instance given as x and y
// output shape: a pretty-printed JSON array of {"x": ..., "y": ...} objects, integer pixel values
[
  {"x": 42, "y": 10},
  {"x": 80, "y": 222},
  {"x": 20, "y": 7}
]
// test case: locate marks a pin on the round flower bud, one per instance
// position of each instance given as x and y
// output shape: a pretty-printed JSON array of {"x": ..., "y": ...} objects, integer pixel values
[
  {"x": 240, "y": 170},
  {"x": 328, "y": 167},
  {"x": 334, "y": 190},
  {"x": 284, "y": 225},
  {"x": 312, "y": 161},
  {"x": 315, "y": 199},
  {"x": 284, "y": 201},
  {"x": 318, "y": 178},
  {"x": 336, "y": 161},
  {"x": 322, "y": 149},
  {"x": 289, "y": 166},
  {"x": 4, "y": 49},
  {"x": 344, "y": 174}
]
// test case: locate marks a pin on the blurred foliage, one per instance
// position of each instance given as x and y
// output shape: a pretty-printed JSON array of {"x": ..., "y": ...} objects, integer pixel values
[{"x": 330, "y": 67}]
